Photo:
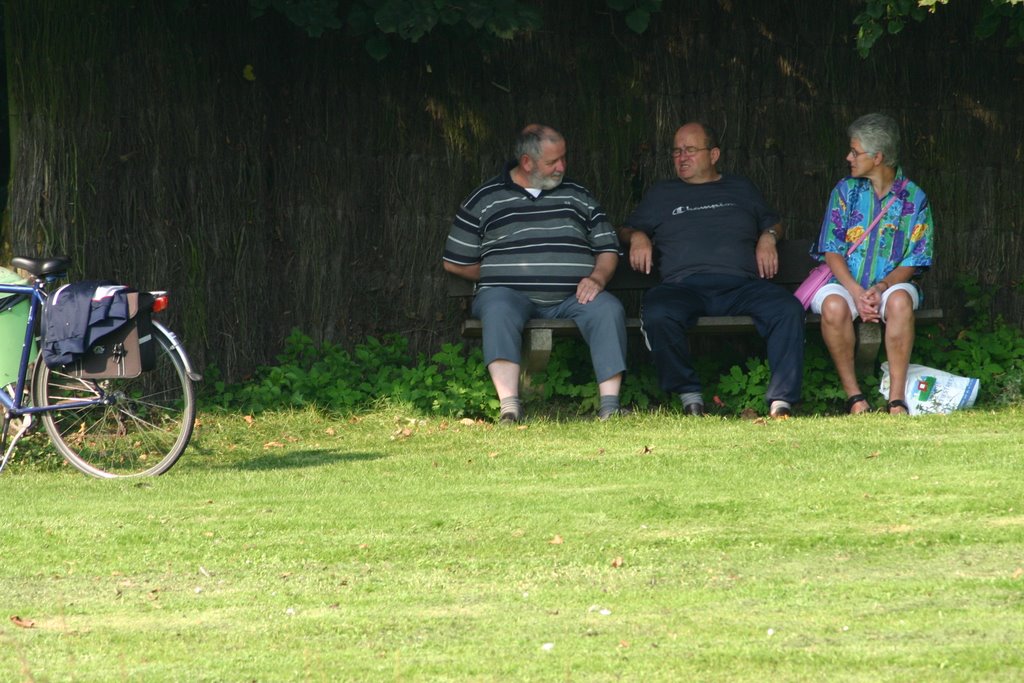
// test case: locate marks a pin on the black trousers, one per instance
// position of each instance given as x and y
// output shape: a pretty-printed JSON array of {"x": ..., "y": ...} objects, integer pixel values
[{"x": 670, "y": 309}]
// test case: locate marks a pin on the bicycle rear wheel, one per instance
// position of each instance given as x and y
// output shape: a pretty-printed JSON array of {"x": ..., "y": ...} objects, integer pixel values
[{"x": 142, "y": 431}]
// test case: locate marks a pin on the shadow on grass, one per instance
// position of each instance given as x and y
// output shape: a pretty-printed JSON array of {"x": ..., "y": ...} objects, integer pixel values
[{"x": 304, "y": 458}]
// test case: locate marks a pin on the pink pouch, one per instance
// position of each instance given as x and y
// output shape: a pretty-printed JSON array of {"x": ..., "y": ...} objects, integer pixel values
[{"x": 814, "y": 281}]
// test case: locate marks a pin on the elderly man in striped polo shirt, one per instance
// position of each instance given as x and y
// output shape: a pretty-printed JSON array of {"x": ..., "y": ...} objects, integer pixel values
[{"x": 539, "y": 245}]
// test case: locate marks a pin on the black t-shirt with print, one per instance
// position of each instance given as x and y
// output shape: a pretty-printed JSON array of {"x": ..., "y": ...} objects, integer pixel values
[{"x": 704, "y": 228}]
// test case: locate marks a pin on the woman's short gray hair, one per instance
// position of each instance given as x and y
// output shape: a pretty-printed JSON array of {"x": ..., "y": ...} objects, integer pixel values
[{"x": 878, "y": 133}]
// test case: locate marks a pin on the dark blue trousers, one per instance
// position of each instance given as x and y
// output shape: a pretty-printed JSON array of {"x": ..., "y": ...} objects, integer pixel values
[{"x": 670, "y": 309}]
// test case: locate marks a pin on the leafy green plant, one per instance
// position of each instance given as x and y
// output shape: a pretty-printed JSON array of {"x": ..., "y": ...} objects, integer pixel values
[
  {"x": 881, "y": 17},
  {"x": 452, "y": 382},
  {"x": 822, "y": 393},
  {"x": 455, "y": 382},
  {"x": 743, "y": 387},
  {"x": 378, "y": 22},
  {"x": 988, "y": 348},
  {"x": 998, "y": 13},
  {"x": 641, "y": 390},
  {"x": 994, "y": 355},
  {"x": 638, "y": 12},
  {"x": 567, "y": 377}
]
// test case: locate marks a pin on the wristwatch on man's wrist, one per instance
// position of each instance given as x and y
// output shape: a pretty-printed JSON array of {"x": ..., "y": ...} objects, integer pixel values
[{"x": 773, "y": 233}]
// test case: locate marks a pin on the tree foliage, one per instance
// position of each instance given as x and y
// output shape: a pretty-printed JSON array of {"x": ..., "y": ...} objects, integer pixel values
[
  {"x": 379, "y": 22},
  {"x": 881, "y": 17}
]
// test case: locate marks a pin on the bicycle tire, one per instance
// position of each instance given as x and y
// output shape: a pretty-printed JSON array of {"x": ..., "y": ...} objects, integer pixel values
[{"x": 141, "y": 432}]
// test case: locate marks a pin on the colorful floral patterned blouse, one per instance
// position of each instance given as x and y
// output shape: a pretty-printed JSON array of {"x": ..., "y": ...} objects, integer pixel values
[{"x": 903, "y": 237}]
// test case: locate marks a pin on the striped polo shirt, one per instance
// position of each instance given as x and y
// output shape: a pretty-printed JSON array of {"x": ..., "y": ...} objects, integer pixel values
[{"x": 541, "y": 246}]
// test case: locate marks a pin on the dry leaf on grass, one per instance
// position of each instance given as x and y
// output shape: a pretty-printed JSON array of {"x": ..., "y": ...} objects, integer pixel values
[
  {"x": 22, "y": 623},
  {"x": 272, "y": 444},
  {"x": 467, "y": 422},
  {"x": 1018, "y": 573},
  {"x": 646, "y": 449},
  {"x": 249, "y": 420},
  {"x": 557, "y": 540},
  {"x": 617, "y": 562}
]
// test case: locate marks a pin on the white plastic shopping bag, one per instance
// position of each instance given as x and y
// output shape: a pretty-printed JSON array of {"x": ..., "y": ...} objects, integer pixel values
[{"x": 933, "y": 391}]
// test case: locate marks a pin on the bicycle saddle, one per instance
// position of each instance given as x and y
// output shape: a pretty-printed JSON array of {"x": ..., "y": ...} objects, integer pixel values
[{"x": 39, "y": 267}]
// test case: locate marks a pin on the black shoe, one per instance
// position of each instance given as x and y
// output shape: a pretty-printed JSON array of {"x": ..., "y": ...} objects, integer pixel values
[
  {"x": 897, "y": 403},
  {"x": 695, "y": 409},
  {"x": 854, "y": 400},
  {"x": 509, "y": 419}
]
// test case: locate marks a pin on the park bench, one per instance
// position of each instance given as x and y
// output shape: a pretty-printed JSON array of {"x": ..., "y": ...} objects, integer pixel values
[{"x": 794, "y": 265}]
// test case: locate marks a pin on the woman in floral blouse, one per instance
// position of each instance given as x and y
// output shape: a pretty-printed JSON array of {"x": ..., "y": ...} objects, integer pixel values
[{"x": 873, "y": 282}]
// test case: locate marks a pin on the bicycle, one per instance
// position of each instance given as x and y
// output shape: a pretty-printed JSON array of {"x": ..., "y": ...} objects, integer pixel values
[{"x": 103, "y": 426}]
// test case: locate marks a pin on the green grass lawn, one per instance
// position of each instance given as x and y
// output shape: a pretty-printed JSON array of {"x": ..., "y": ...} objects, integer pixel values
[{"x": 652, "y": 548}]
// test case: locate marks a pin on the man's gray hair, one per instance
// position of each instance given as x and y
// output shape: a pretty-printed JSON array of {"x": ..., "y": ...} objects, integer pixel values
[
  {"x": 878, "y": 133},
  {"x": 530, "y": 139}
]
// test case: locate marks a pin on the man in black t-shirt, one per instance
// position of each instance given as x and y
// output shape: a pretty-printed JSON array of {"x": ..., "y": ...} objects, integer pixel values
[{"x": 713, "y": 238}]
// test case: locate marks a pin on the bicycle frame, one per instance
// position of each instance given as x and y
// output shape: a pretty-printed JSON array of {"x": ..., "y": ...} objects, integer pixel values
[{"x": 37, "y": 295}]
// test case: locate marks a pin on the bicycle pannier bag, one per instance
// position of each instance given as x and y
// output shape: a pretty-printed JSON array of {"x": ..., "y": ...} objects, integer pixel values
[{"x": 127, "y": 351}]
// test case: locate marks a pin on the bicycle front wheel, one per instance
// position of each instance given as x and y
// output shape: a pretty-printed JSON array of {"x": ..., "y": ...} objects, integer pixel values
[{"x": 143, "y": 428}]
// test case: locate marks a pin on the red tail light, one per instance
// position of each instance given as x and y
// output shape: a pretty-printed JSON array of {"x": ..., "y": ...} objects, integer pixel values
[{"x": 160, "y": 303}]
